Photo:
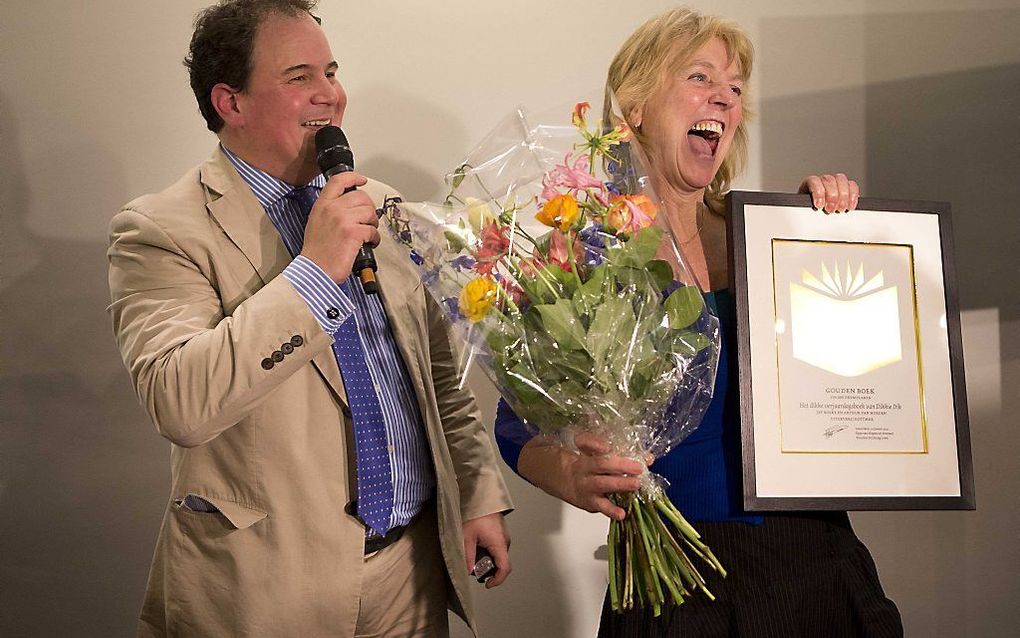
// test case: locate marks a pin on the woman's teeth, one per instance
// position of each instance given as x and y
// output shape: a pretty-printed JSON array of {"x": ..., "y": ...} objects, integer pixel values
[{"x": 707, "y": 128}]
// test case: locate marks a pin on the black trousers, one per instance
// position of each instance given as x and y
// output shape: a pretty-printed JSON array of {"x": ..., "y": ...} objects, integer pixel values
[{"x": 797, "y": 575}]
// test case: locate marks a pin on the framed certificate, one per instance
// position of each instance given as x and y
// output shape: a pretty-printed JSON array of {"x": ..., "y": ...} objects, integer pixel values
[{"x": 852, "y": 391}]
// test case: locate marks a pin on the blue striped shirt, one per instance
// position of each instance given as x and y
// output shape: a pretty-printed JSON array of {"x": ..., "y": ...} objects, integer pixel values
[{"x": 410, "y": 464}]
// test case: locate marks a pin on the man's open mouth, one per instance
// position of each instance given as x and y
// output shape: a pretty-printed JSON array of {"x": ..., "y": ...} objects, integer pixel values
[{"x": 317, "y": 123}]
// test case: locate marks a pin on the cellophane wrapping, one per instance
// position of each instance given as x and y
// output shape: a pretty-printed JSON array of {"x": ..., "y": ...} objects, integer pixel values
[{"x": 565, "y": 284}]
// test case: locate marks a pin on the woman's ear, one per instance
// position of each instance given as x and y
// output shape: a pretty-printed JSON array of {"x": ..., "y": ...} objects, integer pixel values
[
  {"x": 634, "y": 117},
  {"x": 224, "y": 100}
]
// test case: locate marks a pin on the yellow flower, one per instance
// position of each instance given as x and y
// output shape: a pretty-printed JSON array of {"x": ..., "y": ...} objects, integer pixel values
[
  {"x": 479, "y": 213},
  {"x": 477, "y": 297},
  {"x": 559, "y": 212}
]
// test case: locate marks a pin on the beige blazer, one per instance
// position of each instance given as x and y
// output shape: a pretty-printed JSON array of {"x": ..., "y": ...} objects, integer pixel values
[{"x": 197, "y": 305}]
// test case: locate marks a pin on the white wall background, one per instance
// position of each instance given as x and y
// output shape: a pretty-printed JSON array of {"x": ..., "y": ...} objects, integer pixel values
[{"x": 915, "y": 98}]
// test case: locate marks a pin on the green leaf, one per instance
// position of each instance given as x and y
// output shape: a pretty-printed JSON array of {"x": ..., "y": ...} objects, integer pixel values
[
  {"x": 503, "y": 340},
  {"x": 459, "y": 174},
  {"x": 661, "y": 273},
  {"x": 567, "y": 280},
  {"x": 637, "y": 278},
  {"x": 613, "y": 323},
  {"x": 684, "y": 306},
  {"x": 456, "y": 241},
  {"x": 563, "y": 324},
  {"x": 589, "y": 294},
  {"x": 641, "y": 248},
  {"x": 521, "y": 381},
  {"x": 543, "y": 288},
  {"x": 688, "y": 343}
]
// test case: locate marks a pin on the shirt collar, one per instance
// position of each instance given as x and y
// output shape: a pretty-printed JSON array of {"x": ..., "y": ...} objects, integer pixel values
[{"x": 267, "y": 189}]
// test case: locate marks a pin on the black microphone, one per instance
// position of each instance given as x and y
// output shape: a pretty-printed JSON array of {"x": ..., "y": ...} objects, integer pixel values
[{"x": 333, "y": 154}]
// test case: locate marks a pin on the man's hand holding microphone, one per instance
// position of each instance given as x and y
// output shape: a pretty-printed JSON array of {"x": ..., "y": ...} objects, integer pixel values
[{"x": 340, "y": 223}]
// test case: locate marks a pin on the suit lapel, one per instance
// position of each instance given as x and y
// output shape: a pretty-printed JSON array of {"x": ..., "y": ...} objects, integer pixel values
[
  {"x": 242, "y": 218},
  {"x": 399, "y": 282}
]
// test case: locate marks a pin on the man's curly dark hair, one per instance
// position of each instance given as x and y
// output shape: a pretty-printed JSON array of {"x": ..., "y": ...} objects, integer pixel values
[{"x": 222, "y": 46}]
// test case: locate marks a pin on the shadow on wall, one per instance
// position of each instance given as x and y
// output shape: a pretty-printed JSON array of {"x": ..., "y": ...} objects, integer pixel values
[
  {"x": 82, "y": 474},
  {"x": 914, "y": 130},
  {"x": 941, "y": 136},
  {"x": 534, "y": 601}
]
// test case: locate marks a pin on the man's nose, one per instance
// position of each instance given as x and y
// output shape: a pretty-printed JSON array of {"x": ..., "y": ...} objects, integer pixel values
[{"x": 326, "y": 92}]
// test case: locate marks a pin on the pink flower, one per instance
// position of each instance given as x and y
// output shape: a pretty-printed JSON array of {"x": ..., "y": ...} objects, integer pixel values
[
  {"x": 530, "y": 267},
  {"x": 512, "y": 290},
  {"x": 572, "y": 177},
  {"x": 558, "y": 250},
  {"x": 494, "y": 246}
]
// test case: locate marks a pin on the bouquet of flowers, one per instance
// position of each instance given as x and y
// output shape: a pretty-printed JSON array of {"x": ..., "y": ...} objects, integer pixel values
[{"x": 587, "y": 321}]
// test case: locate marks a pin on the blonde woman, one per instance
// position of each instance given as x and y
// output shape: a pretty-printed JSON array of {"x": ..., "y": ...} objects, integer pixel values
[{"x": 681, "y": 81}]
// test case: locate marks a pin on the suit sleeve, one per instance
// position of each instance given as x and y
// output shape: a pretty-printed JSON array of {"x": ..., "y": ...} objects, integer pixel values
[
  {"x": 482, "y": 488},
  {"x": 197, "y": 371}
]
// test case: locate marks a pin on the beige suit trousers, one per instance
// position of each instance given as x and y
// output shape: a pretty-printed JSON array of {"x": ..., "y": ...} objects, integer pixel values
[{"x": 404, "y": 586}]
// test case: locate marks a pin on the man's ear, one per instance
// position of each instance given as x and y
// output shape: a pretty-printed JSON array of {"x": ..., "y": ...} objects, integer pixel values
[{"x": 224, "y": 100}]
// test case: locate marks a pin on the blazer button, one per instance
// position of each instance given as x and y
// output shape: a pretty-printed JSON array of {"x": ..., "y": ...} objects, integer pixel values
[
  {"x": 297, "y": 341},
  {"x": 347, "y": 411},
  {"x": 267, "y": 364},
  {"x": 351, "y": 508},
  {"x": 277, "y": 356},
  {"x": 286, "y": 348},
  {"x": 332, "y": 313}
]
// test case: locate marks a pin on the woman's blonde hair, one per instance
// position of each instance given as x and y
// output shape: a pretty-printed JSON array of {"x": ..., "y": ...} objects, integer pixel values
[{"x": 663, "y": 43}]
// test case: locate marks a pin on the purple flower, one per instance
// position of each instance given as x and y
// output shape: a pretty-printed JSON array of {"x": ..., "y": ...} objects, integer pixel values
[
  {"x": 593, "y": 236},
  {"x": 416, "y": 258},
  {"x": 453, "y": 307},
  {"x": 429, "y": 278},
  {"x": 463, "y": 262}
]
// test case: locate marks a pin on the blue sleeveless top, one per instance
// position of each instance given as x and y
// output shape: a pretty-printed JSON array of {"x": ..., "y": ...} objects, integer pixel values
[{"x": 703, "y": 470}]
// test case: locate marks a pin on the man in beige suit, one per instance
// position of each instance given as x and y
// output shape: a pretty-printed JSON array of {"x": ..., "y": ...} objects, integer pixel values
[{"x": 229, "y": 317}]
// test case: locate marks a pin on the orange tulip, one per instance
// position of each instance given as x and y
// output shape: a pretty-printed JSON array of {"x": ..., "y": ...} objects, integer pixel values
[{"x": 559, "y": 212}]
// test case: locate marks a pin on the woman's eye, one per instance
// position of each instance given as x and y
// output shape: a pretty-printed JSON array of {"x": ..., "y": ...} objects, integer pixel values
[
  {"x": 737, "y": 90},
  {"x": 698, "y": 77}
]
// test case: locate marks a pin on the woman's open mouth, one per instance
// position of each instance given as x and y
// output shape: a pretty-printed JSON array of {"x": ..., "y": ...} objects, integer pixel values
[{"x": 704, "y": 136}]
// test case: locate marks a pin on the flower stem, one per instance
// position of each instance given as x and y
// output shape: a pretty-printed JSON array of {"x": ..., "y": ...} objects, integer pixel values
[{"x": 648, "y": 555}]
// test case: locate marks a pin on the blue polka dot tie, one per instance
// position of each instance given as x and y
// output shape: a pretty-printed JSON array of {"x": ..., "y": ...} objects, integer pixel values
[{"x": 375, "y": 482}]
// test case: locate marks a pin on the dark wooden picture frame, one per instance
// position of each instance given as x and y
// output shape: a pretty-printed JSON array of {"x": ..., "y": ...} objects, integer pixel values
[{"x": 736, "y": 202}]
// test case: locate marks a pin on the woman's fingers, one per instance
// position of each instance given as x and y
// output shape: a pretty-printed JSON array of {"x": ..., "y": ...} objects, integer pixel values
[
  {"x": 832, "y": 193},
  {"x": 605, "y": 506},
  {"x": 591, "y": 444},
  {"x": 813, "y": 184},
  {"x": 617, "y": 465}
]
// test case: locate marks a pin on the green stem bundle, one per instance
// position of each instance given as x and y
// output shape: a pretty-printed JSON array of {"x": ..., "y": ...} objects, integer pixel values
[{"x": 648, "y": 565}]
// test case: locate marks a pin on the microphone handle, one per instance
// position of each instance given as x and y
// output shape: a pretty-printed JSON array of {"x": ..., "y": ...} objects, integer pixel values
[{"x": 364, "y": 264}]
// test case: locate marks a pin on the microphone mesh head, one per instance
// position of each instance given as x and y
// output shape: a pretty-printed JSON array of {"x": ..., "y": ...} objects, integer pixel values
[{"x": 332, "y": 149}]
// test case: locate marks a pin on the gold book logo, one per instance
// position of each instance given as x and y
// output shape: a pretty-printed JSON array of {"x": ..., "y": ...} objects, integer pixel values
[{"x": 845, "y": 324}]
